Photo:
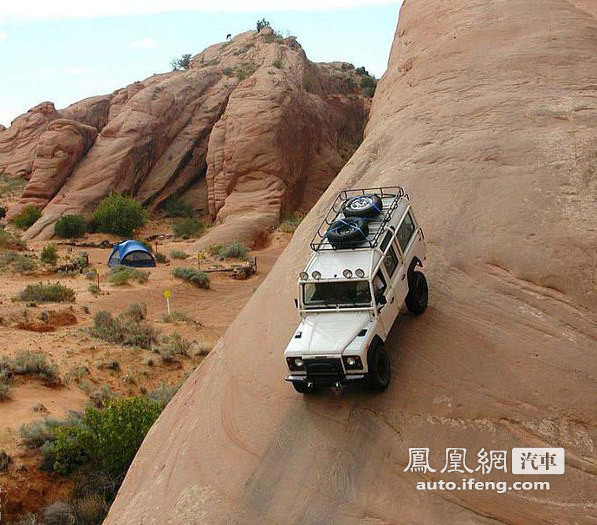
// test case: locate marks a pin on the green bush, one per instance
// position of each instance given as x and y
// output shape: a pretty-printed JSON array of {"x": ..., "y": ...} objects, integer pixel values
[
  {"x": 70, "y": 226},
  {"x": 33, "y": 363},
  {"x": 47, "y": 293},
  {"x": 164, "y": 393},
  {"x": 4, "y": 385},
  {"x": 129, "y": 328},
  {"x": 176, "y": 207},
  {"x": 277, "y": 64},
  {"x": 94, "y": 289},
  {"x": 192, "y": 275},
  {"x": 40, "y": 432},
  {"x": 290, "y": 223},
  {"x": 235, "y": 250},
  {"x": 27, "y": 217},
  {"x": 172, "y": 346},
  {"x": 18, "y": 262},
  {"x": 48, "y": 254},
  {"x": 187, "y": 228},
  {"x": 160, "y": 258},
  {"x": 11, "y": 185},
  {"x": 119, "y": 214},
  {"x": 8, "y": 241},
  {"x": 107, "y": 440},
  {"x": 178, "y": 254},
  {"x": 214, "y": 249},
  {"x": 123, "y": 274}
]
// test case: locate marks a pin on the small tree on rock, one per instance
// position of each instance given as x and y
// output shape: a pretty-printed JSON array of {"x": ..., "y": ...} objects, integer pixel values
[{"x": 261, "y": 24}]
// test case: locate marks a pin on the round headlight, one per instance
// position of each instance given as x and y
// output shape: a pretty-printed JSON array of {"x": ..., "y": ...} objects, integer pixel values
[
  {"x": 360, "y": 273},
  {"x": 304, "y": 276},
  {"x": 298, "y": 362},
  {"x": 351, "y": 361},
  {"x": 316, "y": 275},
  {"x": 347, "y": 273}
]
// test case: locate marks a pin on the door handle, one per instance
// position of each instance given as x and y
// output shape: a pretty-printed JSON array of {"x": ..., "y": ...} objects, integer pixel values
[
  {"x": 392, "y": 300},
  {"x": 403, "y": 276}
]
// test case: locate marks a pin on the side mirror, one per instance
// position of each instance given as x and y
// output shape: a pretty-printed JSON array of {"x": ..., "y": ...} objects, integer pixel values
[
  {"x": 382, "y": 300},
  {"x": 296, "y": 303}
]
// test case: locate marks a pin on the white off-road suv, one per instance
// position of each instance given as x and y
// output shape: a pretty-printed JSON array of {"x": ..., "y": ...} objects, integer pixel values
[{"x": 363, "y": 269}]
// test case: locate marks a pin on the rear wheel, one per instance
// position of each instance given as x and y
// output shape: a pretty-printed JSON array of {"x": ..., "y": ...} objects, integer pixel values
[
  {"x": 379, "y": 368},
  {"x": 302, "y": 387},
  {"x": 418, "y": 294}
]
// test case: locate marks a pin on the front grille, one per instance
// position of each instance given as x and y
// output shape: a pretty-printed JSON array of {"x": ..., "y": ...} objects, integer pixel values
[{"x": 323, "y": 367}]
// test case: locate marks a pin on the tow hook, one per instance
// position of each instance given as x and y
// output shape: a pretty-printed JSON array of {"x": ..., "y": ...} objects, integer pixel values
[
  {"x": 338, "y": 386},
  {"x": 310, "y": 385}
]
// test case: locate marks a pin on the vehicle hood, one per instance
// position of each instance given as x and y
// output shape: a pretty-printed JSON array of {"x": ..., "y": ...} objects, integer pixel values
[{"x": 328, "y": 333}]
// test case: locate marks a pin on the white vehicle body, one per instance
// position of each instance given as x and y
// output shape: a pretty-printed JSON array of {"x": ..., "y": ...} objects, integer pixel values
[{"x": 332, "y": 341}]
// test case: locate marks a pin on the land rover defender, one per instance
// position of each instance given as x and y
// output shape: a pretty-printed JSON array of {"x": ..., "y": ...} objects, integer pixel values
[{"x": 365, "y": 265}]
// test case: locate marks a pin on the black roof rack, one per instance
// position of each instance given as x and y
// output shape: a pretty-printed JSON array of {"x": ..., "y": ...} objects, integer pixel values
[{"x": 376, "y": 224}]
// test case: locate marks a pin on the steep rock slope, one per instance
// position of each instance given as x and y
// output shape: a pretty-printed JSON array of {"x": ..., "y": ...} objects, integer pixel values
[
  {"x": 486, "y": 116},
  {"x": 278, "y": 122}
]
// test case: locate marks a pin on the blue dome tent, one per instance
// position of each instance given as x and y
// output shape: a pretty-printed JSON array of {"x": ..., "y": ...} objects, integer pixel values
[{"x": 131, "y": 253}]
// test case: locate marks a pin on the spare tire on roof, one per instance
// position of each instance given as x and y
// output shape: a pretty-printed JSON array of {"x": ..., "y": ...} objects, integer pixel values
[
  {"x": 363, "y": 206},
  {"x": 348, "y": 233}
]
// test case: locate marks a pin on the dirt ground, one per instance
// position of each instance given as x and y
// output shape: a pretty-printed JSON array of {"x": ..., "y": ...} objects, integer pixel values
[{"x": 82, "y": 359}]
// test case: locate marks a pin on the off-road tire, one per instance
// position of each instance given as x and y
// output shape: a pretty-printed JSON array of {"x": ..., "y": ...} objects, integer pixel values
[
  {"x": 303, "y": 388},
  {"x": 363, "y": 206},
  {"x": 347, "y": 233},
  {"x": 418, "y": 293},
  {"x": 379, "y": 375}
]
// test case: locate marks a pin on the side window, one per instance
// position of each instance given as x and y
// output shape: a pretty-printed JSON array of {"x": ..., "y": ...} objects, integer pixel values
[
  {"x": 386, "y": 240},
  {"x": 390, "y": 261},
  {"x": 379, "y": 284},
  {"x": 405, "y": 231}
]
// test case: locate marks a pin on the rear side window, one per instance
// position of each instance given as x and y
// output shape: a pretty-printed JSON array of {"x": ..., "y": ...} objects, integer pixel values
[
  {"x": 405, "y": 231},
  {"x": 390, "y": 261}
]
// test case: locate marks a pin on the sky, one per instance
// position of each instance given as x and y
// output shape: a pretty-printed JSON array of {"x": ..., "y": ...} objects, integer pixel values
[{"x": 66, "y": 50}]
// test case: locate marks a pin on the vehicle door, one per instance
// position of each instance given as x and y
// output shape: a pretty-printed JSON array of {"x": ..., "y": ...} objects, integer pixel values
[{"x": 388, "y": 307}]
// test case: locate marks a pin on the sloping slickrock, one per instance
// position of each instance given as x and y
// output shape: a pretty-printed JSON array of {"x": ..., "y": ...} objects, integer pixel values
[
  {"x": 18, "y": 143},
  {"x": 253, "y": 114},
  {"x": 486, "y": 116},
  {"x": 59, "y": 148}
]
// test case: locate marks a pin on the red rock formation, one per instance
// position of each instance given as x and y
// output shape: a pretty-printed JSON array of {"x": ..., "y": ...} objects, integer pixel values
[
  {"x": 487, "y": 116},
  {"x": 254, "y": 114}
]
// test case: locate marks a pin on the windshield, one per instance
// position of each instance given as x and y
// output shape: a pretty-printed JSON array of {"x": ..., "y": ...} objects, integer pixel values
[{"x": 332, "y": 294}]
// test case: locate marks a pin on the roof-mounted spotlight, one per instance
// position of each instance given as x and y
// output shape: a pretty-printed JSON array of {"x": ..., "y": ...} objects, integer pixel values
[
  {"x": 359, "y": 273},
  {"x": 316, "y": 275},
  {"x": 347, "y": 273},
  {"x": 304, "y": 276}
]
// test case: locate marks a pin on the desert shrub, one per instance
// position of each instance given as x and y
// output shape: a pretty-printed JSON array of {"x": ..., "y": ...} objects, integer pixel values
[
  {"x": 181, "y": 63},
  {"x": 235, "y": 250},
  {"x": 178, "y": 254},
  {"x": 47, "y": 293},
  {"x": 18, "y": 262},
  {"x": 102, "y": 396},
  {"x": 368, "y": 85},
  {"x": 123, "y": 274},
  {"x": 261, "y": 24},
  {"x": 5, "y": 461},
  {"x": 244, "y": 70},
  {"x": 164, "y": 393},
  {"x": 214, "y": 249},
  {"x": 173, "y": 346},
  {"x": 4, "y": 385},
  {"x": 177, "y": 317},
  {"x": 290, "y": 223},
  {"x": 27, "y": 217},
  {"x": 106, "y": 440},
  {"x": 119, "y": 214},
  {"x": 187, "y": 228},
  {"x": 228, "y": 71},
  {"x": 9, "y": 241},
  {"x": 192, "y": 275},
  {"x": 129, "y": 328},
  {"x": 202, "y": 348},
  {"x": 91, "y": 509},
  {"x": 176, "y": 207},
  {"x": 59, "y": 513},
  {"x": 277, "y": 64},
  {"x": 11, "y": 185},
  {"x": 41, "y": 432},
  {"x": 94, "y": 289},
  {"x": 34, "y": 363},
  {"x": 70, "y": 227},
  {"x": 48, "y": 254},
  {"x": 161, "y": 258}
]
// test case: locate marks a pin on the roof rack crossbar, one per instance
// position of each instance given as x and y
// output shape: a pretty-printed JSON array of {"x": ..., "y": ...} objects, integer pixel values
[{"x": 320, "y": 241}]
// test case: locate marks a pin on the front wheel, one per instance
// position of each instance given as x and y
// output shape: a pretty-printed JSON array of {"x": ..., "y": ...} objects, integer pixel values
[
  {"x": 379, "y": 368},
  {"x": 302, "y": 387},
  {"x": 418, "y": 294}
]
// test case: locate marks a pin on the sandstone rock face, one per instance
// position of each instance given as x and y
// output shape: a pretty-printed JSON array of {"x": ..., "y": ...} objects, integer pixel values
[
  {"x": 59, "y": 148},
  {"x": 486, "y": 116},
  {"x": 252, "y": 126},
  {"x": 18, "y": 143}
]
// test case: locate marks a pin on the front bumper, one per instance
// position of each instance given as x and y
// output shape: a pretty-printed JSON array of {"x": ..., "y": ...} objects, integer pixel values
[{"x": 325, "y": 372}]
